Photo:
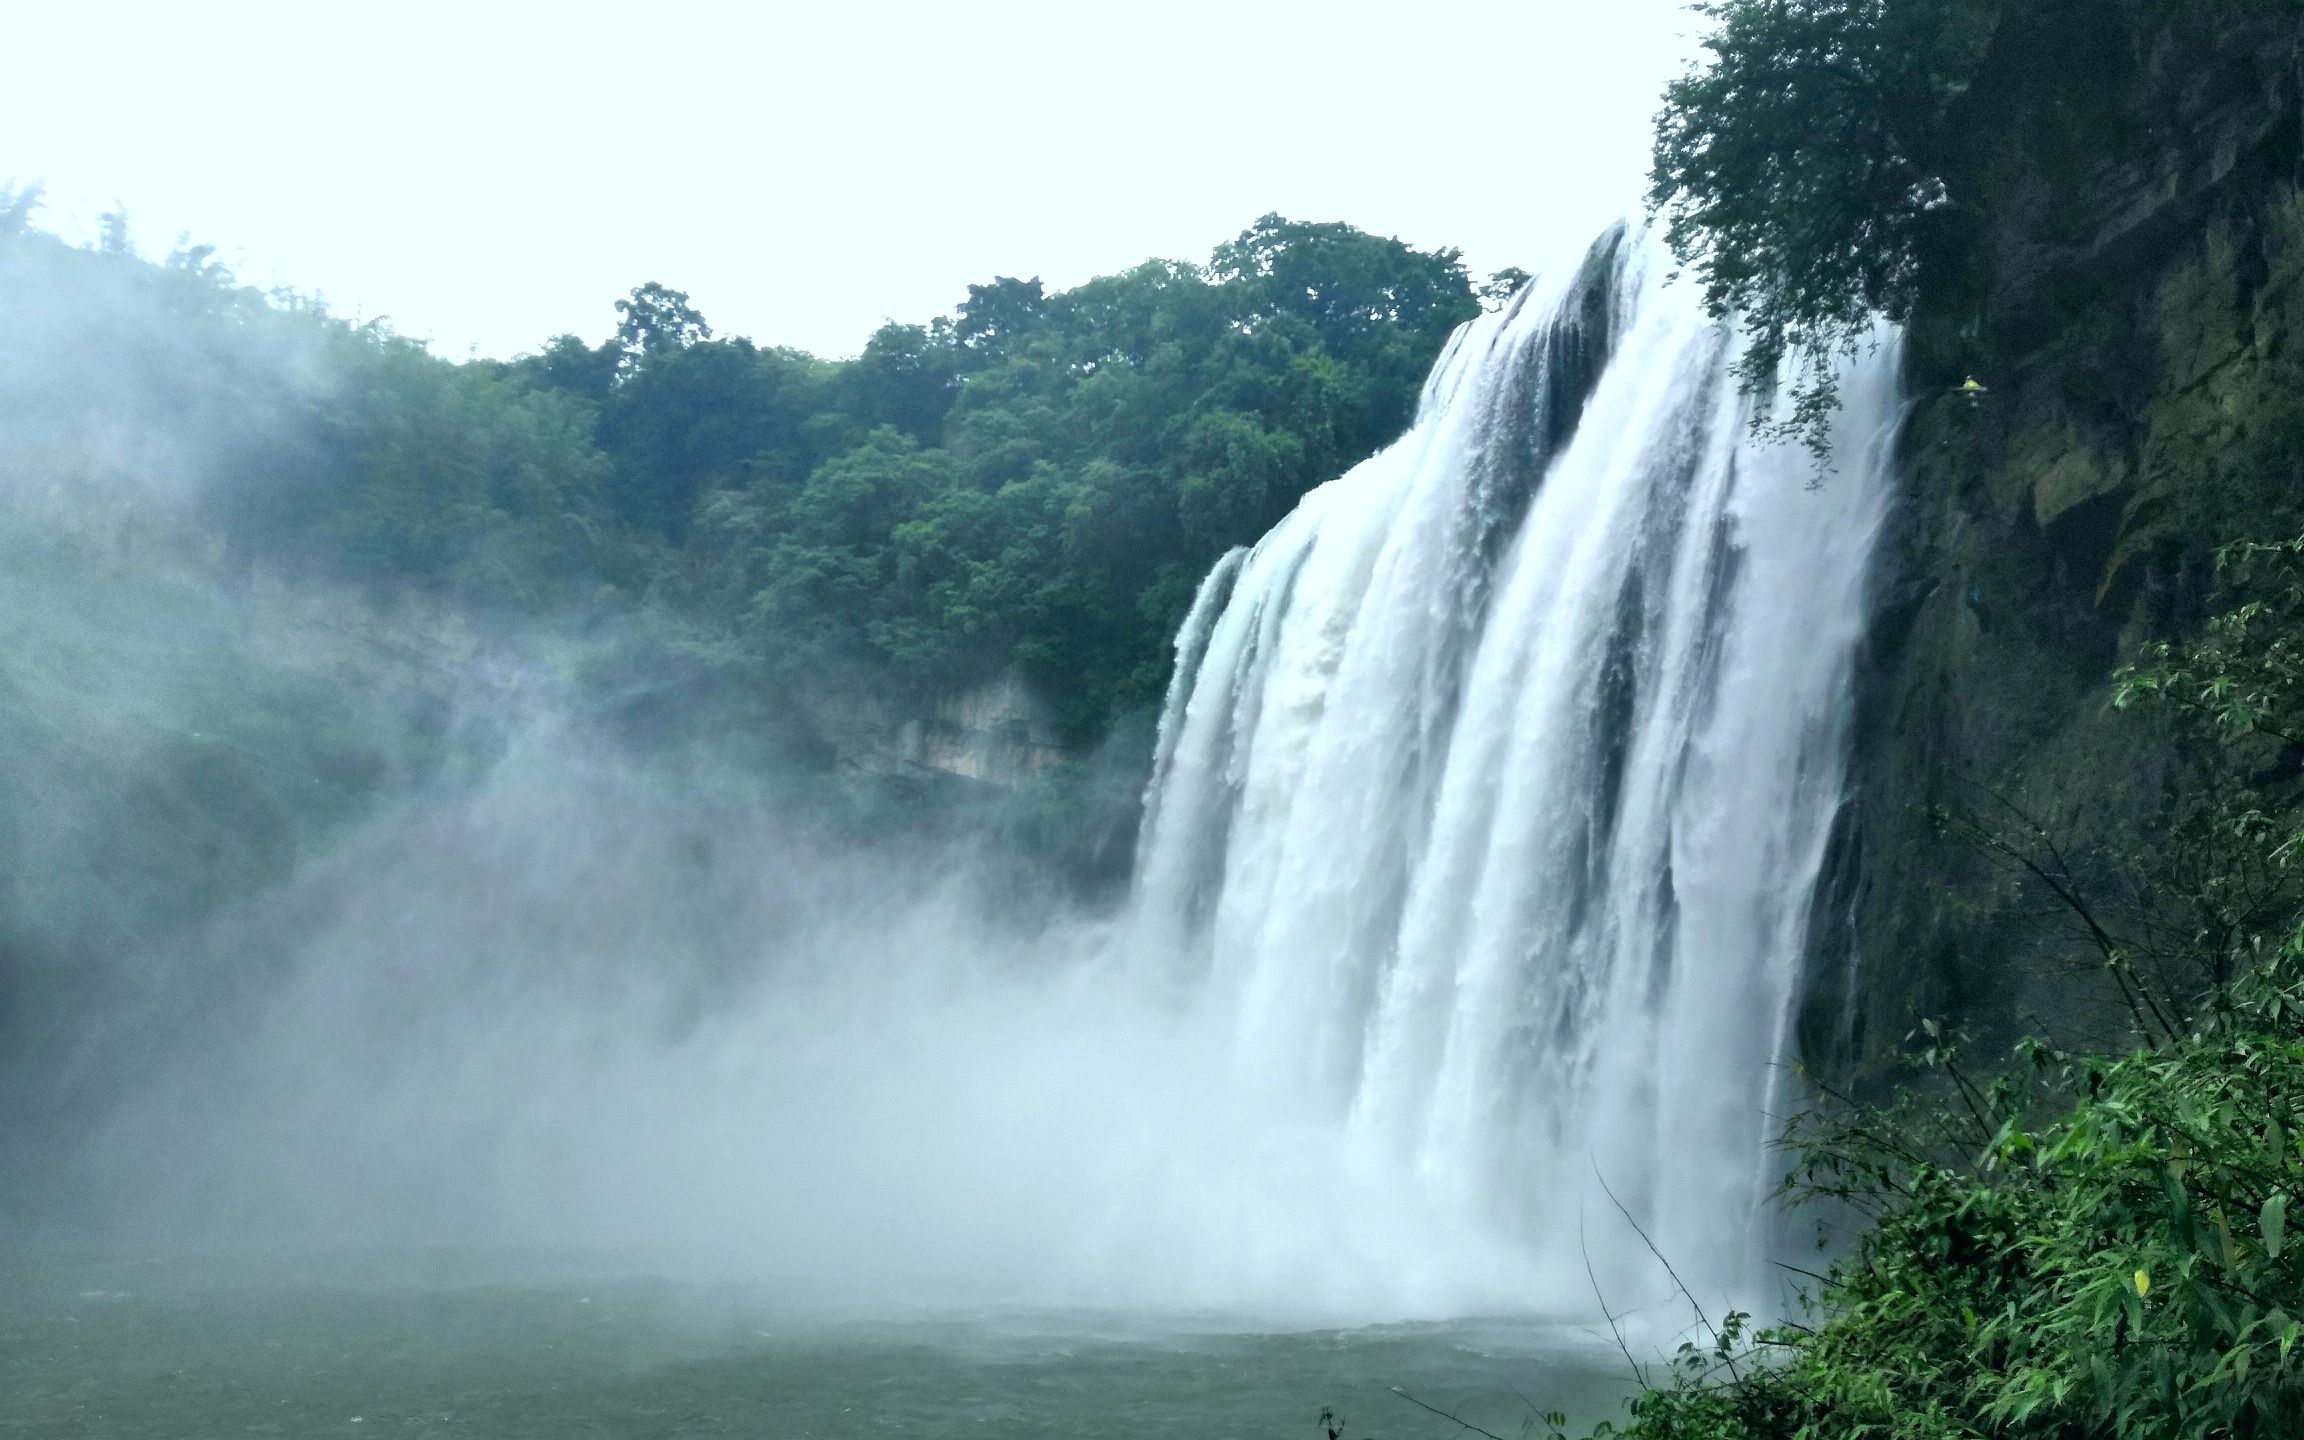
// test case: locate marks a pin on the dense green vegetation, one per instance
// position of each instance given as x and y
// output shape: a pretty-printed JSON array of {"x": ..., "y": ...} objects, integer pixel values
[{"x": 1037, "y": 481}]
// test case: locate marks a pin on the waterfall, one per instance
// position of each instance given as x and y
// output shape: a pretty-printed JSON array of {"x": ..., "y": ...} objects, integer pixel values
[{"x": 1494, "y": 781}]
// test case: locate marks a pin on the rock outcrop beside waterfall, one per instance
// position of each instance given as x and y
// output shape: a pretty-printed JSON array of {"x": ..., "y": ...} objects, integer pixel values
[{"x": 2135, "y": 304}]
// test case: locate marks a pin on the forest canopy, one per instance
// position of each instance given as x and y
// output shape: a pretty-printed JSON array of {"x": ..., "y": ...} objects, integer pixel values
[{"x": 1035, "y": 481}]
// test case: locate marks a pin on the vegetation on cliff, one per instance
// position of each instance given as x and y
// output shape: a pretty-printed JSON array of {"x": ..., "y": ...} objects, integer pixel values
[
  {"x": 1804, "y": 173},
  {"x": 1998, "y": 176}
]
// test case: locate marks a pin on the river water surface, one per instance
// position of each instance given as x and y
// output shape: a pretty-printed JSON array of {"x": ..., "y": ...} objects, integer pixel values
[{"x": 441, "y": 1345}]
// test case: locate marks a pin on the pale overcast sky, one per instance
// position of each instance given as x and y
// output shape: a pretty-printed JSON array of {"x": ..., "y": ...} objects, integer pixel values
[{"x": 489, "y": 175}]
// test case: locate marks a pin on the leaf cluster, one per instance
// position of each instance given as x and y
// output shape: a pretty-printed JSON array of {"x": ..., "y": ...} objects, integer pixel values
[{"x": 1802, "y": 170}]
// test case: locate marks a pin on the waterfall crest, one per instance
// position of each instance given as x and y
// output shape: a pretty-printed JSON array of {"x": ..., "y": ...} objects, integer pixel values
[{"x": 1494, "y": 781}]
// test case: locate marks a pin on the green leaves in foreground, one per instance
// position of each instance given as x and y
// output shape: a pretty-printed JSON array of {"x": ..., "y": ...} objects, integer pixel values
[{"x": 2117, "y": 1270}]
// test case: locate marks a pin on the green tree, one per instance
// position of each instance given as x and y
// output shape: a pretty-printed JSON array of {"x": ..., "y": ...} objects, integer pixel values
[
  {"x": 1805, "y": 172},
  {"x": 997, "y": 316},
  {"x": 653, "y": 321},
  {"x": 705, "y": 414},
  {"x": 1500, "y": 287},
  {"x": 907, "y": 376},
  {"x": 567, "y": 363},
  {"x": 1375, "y": 304}
]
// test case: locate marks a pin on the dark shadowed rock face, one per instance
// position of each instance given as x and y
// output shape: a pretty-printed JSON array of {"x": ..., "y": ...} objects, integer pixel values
[{"x": 2136, "y": 304}]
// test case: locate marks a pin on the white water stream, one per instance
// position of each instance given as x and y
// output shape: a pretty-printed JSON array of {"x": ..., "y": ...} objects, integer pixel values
[{"x": 1494, "y": 782}]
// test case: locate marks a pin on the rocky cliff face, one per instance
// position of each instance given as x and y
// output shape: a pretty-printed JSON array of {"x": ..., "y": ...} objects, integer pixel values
[
  {"x": 2134, "y": 300},
  {"x": 998, "y": 733}
]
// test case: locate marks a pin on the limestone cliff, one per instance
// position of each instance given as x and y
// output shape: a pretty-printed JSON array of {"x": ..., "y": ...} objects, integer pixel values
[
  {"x": 999, "y": 732},
  {"x": 2132, "y": 293}
]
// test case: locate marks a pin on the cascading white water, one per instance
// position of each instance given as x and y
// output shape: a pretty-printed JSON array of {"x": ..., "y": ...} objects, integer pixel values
[{"x": 1494, "y": 782}]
